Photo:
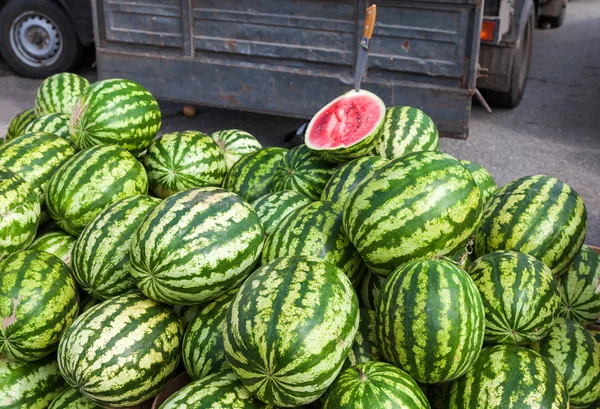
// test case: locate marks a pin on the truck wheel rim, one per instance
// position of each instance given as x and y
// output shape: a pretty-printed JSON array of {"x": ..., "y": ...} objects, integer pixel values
[{"x": 35, "y": 39}]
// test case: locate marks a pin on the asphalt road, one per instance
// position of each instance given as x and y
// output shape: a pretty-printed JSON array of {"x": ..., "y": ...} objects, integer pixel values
[{"x": 555, "y": 130}]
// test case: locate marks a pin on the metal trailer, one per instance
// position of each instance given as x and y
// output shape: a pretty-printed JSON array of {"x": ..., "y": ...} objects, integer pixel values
[{"x": 289, "y": 58}]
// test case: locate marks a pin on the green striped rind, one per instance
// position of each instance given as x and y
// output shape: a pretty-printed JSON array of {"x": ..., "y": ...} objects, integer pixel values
[
  {"x": 252, "y": 176},
  {"x": 36, "y": 157},
  {"x": 315, "y": 230},
  {"x": 17, "y": 125},
  {"x": 30, "y": 385},
  {"x": 579, "y": 288},
  {"x": 423, "y": 204},
  {"x": 289, "y": 329},
  {"x": 369, "y": 290},
  {"x": 71, "y": 398},
  {"x": 121, "y": 352},
  {"x": 235, "y": 144},
  {"x": 58, "y": 243},
  {"x": 520, "y": 297},
  {"x": 101, "y": 255},
  {"x": 58, "y": 93},
  {"x": 89, "y": 182},
  {"x": 343, "y": 154},
  {"x": 345, "y": 180},
  {"x": 115, "y": 112},
  {"x": 509, "y": 377},
  {"x": 430, "y": 320},
  {"x": 275, "y": 207},
  {"x": 38, "y": 301},
  {"x": 375, "y": 385},
  {"x": 221, "y": 390},
  {"x": 202, "y": 350},
  {"x": 57, "y": 124},
  {"x": 537, "y": 215},
  {"x": 302, "y": 171},
  {"x": 364, "y": 348},
  {"x": 184, "y": 160},
  {"x": 485, "y": 181},
  {"x": 576, "y": 355},
  {"x": 406, "y": 130},
  {"x": 195, "y": 246},
  {"x": 20, "y": 210}
]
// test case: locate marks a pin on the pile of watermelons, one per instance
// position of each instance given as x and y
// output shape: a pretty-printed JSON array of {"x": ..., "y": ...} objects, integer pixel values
[{"x": 362, "y": 269}]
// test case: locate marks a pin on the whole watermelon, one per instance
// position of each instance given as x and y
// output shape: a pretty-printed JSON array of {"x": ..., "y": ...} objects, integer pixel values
[
  {"x": 235, "y": 144},
  {"x": 520, "y": 297},
  {"x": 38, "y": 301},
  {"x": 115, "y": 112},
  {"x": 56, "y": 124},
  {"x": 58, "y": 93},
  {"x": 71, "y": 398},
  {"x": 291, "y": 324},
  {"x": 273, "y": 208},
  {"x": 90, "y": 181},
  {"x": 365, "y": 347},
  {"x": 252, "y": 176},
  {"x": 17, "y": 125},
  {"x": 101, "y": 259},
  {"x": 195, "y": 246},
  {"x": 579, "y": 288},
  {"x": 129, "y": 335},
  {"x": 374, "y": 385},
  {"x": 36, "y": 157},
  {"x": 58, "y": 243},
  {"x": 302, "y": 171},
  {"x": 423, "y": 204},
  {"x": 576, "y": 356},
  {"x": 29, "y": 385},
  {"x": 219, "y": 391},
  {"x": 509, "y": 377},
  {"x": 20, "y": 208},
  {"x": 184, "y": 160},
  {"x": 406, "y": 130},
  {"x": 345, "y": 179},
  {"x": 202, "y": 350},
  {"x": 430, "y": 320},
  {"x": 315, "y": 230},
  {"x": 536, "y": 215},
  {"x": 485, "y": 181},
  {"x": 369, "y": 290}
]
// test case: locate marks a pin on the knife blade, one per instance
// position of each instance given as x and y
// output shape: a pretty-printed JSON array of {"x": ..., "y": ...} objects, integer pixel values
[{"x": 363, "y": 49}]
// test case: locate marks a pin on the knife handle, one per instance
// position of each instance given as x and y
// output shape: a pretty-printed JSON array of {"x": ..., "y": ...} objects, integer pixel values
[{"x": 370, "y": 15}]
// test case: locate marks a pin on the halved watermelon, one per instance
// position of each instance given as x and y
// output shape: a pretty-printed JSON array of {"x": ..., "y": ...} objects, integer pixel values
[{"x": 347, "y": 127}]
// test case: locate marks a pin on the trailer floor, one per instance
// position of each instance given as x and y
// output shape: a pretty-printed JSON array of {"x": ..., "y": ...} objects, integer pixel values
[{"x": 555, "y": 130}]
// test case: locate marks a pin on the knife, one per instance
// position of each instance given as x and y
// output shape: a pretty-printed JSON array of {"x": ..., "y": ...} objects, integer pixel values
[{"x": 363, "y": 49}]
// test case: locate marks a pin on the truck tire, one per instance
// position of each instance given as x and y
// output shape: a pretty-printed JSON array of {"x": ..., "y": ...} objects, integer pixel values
[
  {"x": 37, "y": 38},
  {"x": 520, "y": 70}
]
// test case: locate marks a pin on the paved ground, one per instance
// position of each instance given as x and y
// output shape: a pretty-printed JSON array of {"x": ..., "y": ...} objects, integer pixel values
[{"x": 555, "y": 131}]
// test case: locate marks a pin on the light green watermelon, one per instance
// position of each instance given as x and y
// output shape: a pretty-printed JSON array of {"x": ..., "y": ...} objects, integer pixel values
[
  {"x": 406, "y": 130},
  {"x": 56, "y": 124},
  {"x": 101, "y": 260},
  {"x": 71, "y": 398},
  {"x": 90, "y": 181},
  {"x": 184, "y": 160},
  {"x": 291, "y": 324},
  {"x": 235, "y": 144},
  {"x": 430, "y": 320},
  {"x": 121, "y": 352},
  {"x": 58, "y": 93},
  {"x": 195, "y": 246},
  {"x": 273, "y": 208},
  {"x": 58, "y": 243},
  {"x": 485, "y": 181},
  {"x": 17, "y": 125},
  {"x": 38, "y": 301},
  {"x": 20, "y": 208}
]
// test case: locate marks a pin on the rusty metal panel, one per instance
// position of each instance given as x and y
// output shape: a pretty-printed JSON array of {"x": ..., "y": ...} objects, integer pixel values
[{"x": 291, "y": 57}]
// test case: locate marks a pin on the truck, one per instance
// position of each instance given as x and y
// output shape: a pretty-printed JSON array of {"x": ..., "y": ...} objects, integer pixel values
[{"x": 286, "y": 57}]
